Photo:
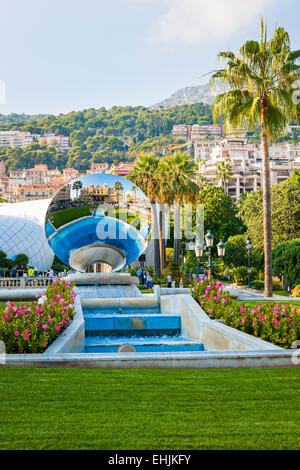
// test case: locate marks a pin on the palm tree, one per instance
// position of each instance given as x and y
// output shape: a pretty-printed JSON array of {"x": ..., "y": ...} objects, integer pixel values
[
  {"x": 144, "y": 175},
  {"x": 118, "y": 188},
  {"x": 179, "y": 171},
  {"x": 224, "y": 173},
  {"x": 260, "y": 77},
  {"x": 134, "y": 188},
  {"x": 76, "y": 186}
]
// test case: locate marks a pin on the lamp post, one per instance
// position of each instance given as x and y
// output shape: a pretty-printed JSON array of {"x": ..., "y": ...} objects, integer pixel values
[
  {"x": 209, "y": 238},
  {"x": 248, "y": 248},
  {"x": 199, "y": 248},
  {"x": 221, "y": 248}
]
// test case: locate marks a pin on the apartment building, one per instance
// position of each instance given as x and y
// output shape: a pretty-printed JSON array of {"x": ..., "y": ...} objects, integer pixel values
[
  {"x": 203, "y": 149},
  {"x": 70, "y": 174},
  {"x": 98, "y": 168},
  {"x": 16, "y": 139},
  {"x": 22, "y": 139},
  {"x": 61, "y": 142},
  {"x": 122, "y": 169},
  {"x": 245, "y": 165},
  {"x": 32, "y": 192},
  {"x": 197, "y": 131}
]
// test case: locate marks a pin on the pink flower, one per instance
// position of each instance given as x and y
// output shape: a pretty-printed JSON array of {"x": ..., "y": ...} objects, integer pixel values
[
  {"x": 45, "y": 326},
  {"x": 57, "y": 328},
  {"x": 17, "y": 333},
  {"x": 27, "y": 335},
  {"x": 50, "y": 320},
  {"x": 224, "y": 301},
  {"x": 242, "y": 309}
]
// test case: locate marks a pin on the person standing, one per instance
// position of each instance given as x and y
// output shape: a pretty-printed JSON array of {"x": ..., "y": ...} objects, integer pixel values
[
  {"x": 169, "y": 279},
  {"x": 140, "y": 275},
  {"x": 14, "y": 271},
  {"x": 149, "y": 281}
]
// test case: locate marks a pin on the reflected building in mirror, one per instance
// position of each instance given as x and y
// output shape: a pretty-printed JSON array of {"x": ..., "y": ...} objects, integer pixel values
[{"x": 99, "y": 220}]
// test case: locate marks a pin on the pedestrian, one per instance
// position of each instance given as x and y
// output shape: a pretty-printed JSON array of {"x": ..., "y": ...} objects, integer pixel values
[
  {"x": 181, "y": 283},
  {"x": 149, "y": 281},
  {"x": 140, "y": 275},
  {"x": 14, "y": 271},
  {"x": 169, "y": 279},
  {"x": 21, "y": 271}
]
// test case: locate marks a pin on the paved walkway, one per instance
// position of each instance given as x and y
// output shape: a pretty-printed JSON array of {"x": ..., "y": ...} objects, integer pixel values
[{"x": 245, "y": 294}]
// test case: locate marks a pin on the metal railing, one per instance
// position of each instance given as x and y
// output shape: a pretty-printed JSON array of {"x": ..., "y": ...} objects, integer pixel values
[{"x": 24, "y": 282}]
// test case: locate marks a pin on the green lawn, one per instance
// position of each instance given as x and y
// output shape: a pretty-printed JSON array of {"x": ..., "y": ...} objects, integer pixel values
[{"x": 149, "y": 409}]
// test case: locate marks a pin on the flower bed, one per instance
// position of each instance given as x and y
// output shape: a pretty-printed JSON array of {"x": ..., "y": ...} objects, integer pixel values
[
  {"x": 31, "y": 328},
  {"x": 270, "y": 321}
]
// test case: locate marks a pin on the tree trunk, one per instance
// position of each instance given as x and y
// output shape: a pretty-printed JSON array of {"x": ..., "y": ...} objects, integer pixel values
[
  {"x": 266, "y": 184},
  {"x": 162, "y": 237},
  {"x": 156, "y": 240},
  {"x": 177, "y": 232}
]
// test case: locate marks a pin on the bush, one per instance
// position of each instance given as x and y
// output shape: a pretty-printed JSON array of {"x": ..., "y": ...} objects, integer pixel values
[
  {"x": 296, "y": 291},
  {"x": 240, "y": 274},
  {"x": 31, "y": 328},
  {"x": 21, "y": 260},
  {"x": 258, "y": 285},
  {"x": 286, "y": 260},
  {"x": 279, "y": 324}
]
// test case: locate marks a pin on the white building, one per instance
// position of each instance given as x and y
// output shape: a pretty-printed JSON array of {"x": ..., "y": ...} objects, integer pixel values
[
  {"x": 22, "y": 231},
  {"x": 16, "y": 139},
  {"x": 245, "y": 164}
]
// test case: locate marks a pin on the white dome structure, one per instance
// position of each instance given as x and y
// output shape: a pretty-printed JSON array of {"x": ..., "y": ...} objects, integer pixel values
[{"x": 22, "y": 231}]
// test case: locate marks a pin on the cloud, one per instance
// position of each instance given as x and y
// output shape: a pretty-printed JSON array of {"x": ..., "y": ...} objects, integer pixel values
[{"x": 197, "y": 21}]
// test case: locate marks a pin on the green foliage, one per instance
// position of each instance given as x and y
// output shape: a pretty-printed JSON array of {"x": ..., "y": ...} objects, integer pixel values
[
  {"x": 241, "y": 274},
  {"x": 21, "y": 260},
  {"x": 260, "y": 76},
  {"x": 279, "y": 324},
  {"x": 220, "y": 214},
  {"x": 101, "y": 135},
  {"x": 3, "y": 259},
  {"x": 285, "y": 213},
  {"x": 236, "y": 253},
  {"x": 258, "y": 285},
  {"x": 286, "y": 260}
]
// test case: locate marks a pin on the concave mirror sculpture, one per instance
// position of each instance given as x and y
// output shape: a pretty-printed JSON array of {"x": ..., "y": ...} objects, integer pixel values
[{"x": 99, "y": 220}]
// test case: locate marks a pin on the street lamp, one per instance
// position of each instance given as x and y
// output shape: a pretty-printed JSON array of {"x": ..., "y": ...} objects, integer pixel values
[
  {"x": 221, "y": 248},
  {"x": 199, "y": 248},
  {"x": 209, "y": 238},
  {"x": 248, "y": 248}
]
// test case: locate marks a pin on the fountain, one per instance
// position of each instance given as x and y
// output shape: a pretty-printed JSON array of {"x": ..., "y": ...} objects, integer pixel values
[{"x": 98, "y": 225}]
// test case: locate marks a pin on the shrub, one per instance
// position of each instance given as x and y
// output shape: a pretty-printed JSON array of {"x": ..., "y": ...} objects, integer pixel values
[
  {"x": 296, "y": 291},
  {"x": 240, "y": 274},
  {"x": 31, "y": 328},
  {"x": 279, "y": 324},
  {"x": 258, "y": 285}
]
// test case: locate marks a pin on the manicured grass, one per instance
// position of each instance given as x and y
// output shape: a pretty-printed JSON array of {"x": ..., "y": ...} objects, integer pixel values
[
  {"x": 149, "y": 409},
  {"x": 65, "y": 216}
]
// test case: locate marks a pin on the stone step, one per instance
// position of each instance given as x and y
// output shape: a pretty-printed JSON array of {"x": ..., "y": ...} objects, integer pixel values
[
  {"x": 153, "y": 345},
  {"x": 132, "y": 325}
]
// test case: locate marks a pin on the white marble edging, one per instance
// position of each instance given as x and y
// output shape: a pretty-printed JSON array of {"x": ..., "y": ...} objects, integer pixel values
[{"x": 72, "y": 339}]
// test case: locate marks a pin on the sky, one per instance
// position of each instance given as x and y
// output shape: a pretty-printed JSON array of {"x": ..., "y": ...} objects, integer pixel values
[{"x": 64, "y": 55}]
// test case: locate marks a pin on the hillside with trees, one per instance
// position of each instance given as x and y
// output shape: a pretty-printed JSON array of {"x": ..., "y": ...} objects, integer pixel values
[{"x": 102, "y": 134}]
